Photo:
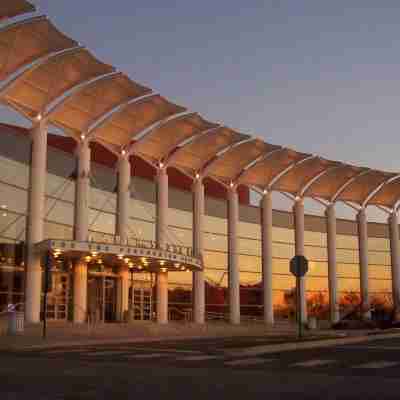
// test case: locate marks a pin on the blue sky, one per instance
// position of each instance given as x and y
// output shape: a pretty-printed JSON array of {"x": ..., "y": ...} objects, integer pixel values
[{"x": 316, "y": 75}]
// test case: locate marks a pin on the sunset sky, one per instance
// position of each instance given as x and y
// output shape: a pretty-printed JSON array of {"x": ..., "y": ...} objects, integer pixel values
[{"x": 317, "y": 76}]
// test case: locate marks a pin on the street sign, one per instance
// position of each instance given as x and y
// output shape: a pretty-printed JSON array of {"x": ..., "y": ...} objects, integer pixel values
[{"x": 299, "y": 266}]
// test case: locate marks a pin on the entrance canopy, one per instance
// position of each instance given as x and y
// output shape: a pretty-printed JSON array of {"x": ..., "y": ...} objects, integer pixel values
[
  {"x": 138, "y": 255},
  {"x": 47, "y": 75}
]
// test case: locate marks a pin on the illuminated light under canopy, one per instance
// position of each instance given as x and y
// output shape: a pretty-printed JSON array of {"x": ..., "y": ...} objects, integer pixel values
[{"x": 147, "y": 258}]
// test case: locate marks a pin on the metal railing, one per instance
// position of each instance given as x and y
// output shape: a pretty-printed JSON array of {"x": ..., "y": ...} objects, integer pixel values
[{"x": 185, "y": 314}]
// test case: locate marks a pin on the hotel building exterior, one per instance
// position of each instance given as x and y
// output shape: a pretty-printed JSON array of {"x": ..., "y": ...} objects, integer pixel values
[{"x": 144, "y": 206}]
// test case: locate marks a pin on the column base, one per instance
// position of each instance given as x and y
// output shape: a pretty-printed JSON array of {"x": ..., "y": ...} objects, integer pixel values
[
  {"x": 33, "y": 290},
  {"x": 162, "y": 298},
  {"x": 396, "y": 316},
  {"x": 198, "y": 298},
  {"x": 334, "y": 315},
  {"x": 80, "y": 293},
  {"x": 269, "y": 318}
]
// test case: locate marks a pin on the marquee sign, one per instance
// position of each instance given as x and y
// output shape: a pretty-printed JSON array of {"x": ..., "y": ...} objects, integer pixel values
[{"x": 80, "y": 249}]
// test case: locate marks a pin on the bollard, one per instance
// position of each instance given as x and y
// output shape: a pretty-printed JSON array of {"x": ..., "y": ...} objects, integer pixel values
[{"x": 312, "y": 323}]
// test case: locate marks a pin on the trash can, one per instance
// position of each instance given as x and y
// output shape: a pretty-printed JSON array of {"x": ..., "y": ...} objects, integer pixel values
[
  {"x": 15, "y": 321},
  {"x": 20, "y": 321}
]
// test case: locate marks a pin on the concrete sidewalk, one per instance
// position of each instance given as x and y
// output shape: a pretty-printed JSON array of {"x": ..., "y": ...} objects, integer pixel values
[
  {"x": 282, "y": 337},
  {"x": 69, "y": 334}
]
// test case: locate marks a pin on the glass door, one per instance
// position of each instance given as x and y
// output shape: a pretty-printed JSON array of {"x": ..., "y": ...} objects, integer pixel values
[
  {"x": 110, "y": 299},
  {"x": 102, "y": 298},
  {"x": 142, "y": 302},
  {"x": 57, "y": 298}
]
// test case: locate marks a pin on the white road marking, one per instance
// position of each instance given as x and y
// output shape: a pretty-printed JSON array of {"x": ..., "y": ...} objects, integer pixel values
[
  {"x": 372, "y": 347},
  {"x": 61, "y": 351},
  {"x": 151, "y": 355},
  {"x": 249, "y": 361},
  {"x": 199, "y": 358},
  {"x": 104, "y": 353},
  {"x": 313, "y": 363},
  {"x": 130, "y": 349},
  {"x": 248, "y": 351},
  {"x": 377, "y": 364}
]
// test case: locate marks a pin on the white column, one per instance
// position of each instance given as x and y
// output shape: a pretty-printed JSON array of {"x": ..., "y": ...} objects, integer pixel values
[
  {"x": 298, "y": 211},
  {"x": 35, "y": 222},
  {"x": 198, "y": 287},
  {"x": 332, "y": 273},
  {"x": 123, "y": 197},
  {"x": 395, "y": 257},
  {"x": 161, "y": 239},
  {"x": 121, "y": 230},
  {"x": 363, "y": 261},
  {"x": 266, "y": 240},
  {"x": 162, "y": 298},
  {"x": 233, "y": 256},
  {"x": 81, "y": 230},
  {"x": 122, "y": 293},
  {"x": 80, "y": 292}
]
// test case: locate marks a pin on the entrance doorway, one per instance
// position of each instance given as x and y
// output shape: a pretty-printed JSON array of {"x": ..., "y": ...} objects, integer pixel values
[
  {"x": 102, "y": 298},
  {"x": 57, "y": 298},
  {"x": 141, "y": 297}
]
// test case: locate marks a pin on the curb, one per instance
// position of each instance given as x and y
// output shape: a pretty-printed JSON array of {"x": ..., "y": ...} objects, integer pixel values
[
  {"x": 248, "y": 351},
  {"x": 275, "y": 348},
  {"x": 97, "y": 342}
]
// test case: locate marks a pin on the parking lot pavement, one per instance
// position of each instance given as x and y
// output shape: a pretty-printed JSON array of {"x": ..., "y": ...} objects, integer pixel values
[
  {"x": 202, "y": 368},
  {"x": 362, "y": 359}
]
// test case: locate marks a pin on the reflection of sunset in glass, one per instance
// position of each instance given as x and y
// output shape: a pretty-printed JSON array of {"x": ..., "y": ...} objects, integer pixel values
[{"x": 215, "y": 256}]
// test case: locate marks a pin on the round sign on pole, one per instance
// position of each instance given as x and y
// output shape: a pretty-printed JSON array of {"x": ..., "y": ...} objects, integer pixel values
[{"x": 299, "y": 266}]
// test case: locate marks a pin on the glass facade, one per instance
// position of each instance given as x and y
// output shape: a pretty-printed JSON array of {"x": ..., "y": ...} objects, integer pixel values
[{"x": 14, "y": 179}]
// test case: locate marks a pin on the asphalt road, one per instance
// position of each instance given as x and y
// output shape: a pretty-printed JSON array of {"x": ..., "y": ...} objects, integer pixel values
[{"x": 203, "y": 369}]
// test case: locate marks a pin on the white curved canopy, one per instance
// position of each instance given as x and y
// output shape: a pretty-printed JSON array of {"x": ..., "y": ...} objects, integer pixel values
[
  {"x": 45, "y": 74},
  {"x": 12, "y": 8}
]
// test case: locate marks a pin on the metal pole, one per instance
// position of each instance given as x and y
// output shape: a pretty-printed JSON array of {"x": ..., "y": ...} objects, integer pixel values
[{"x": 299, "y": 306}]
